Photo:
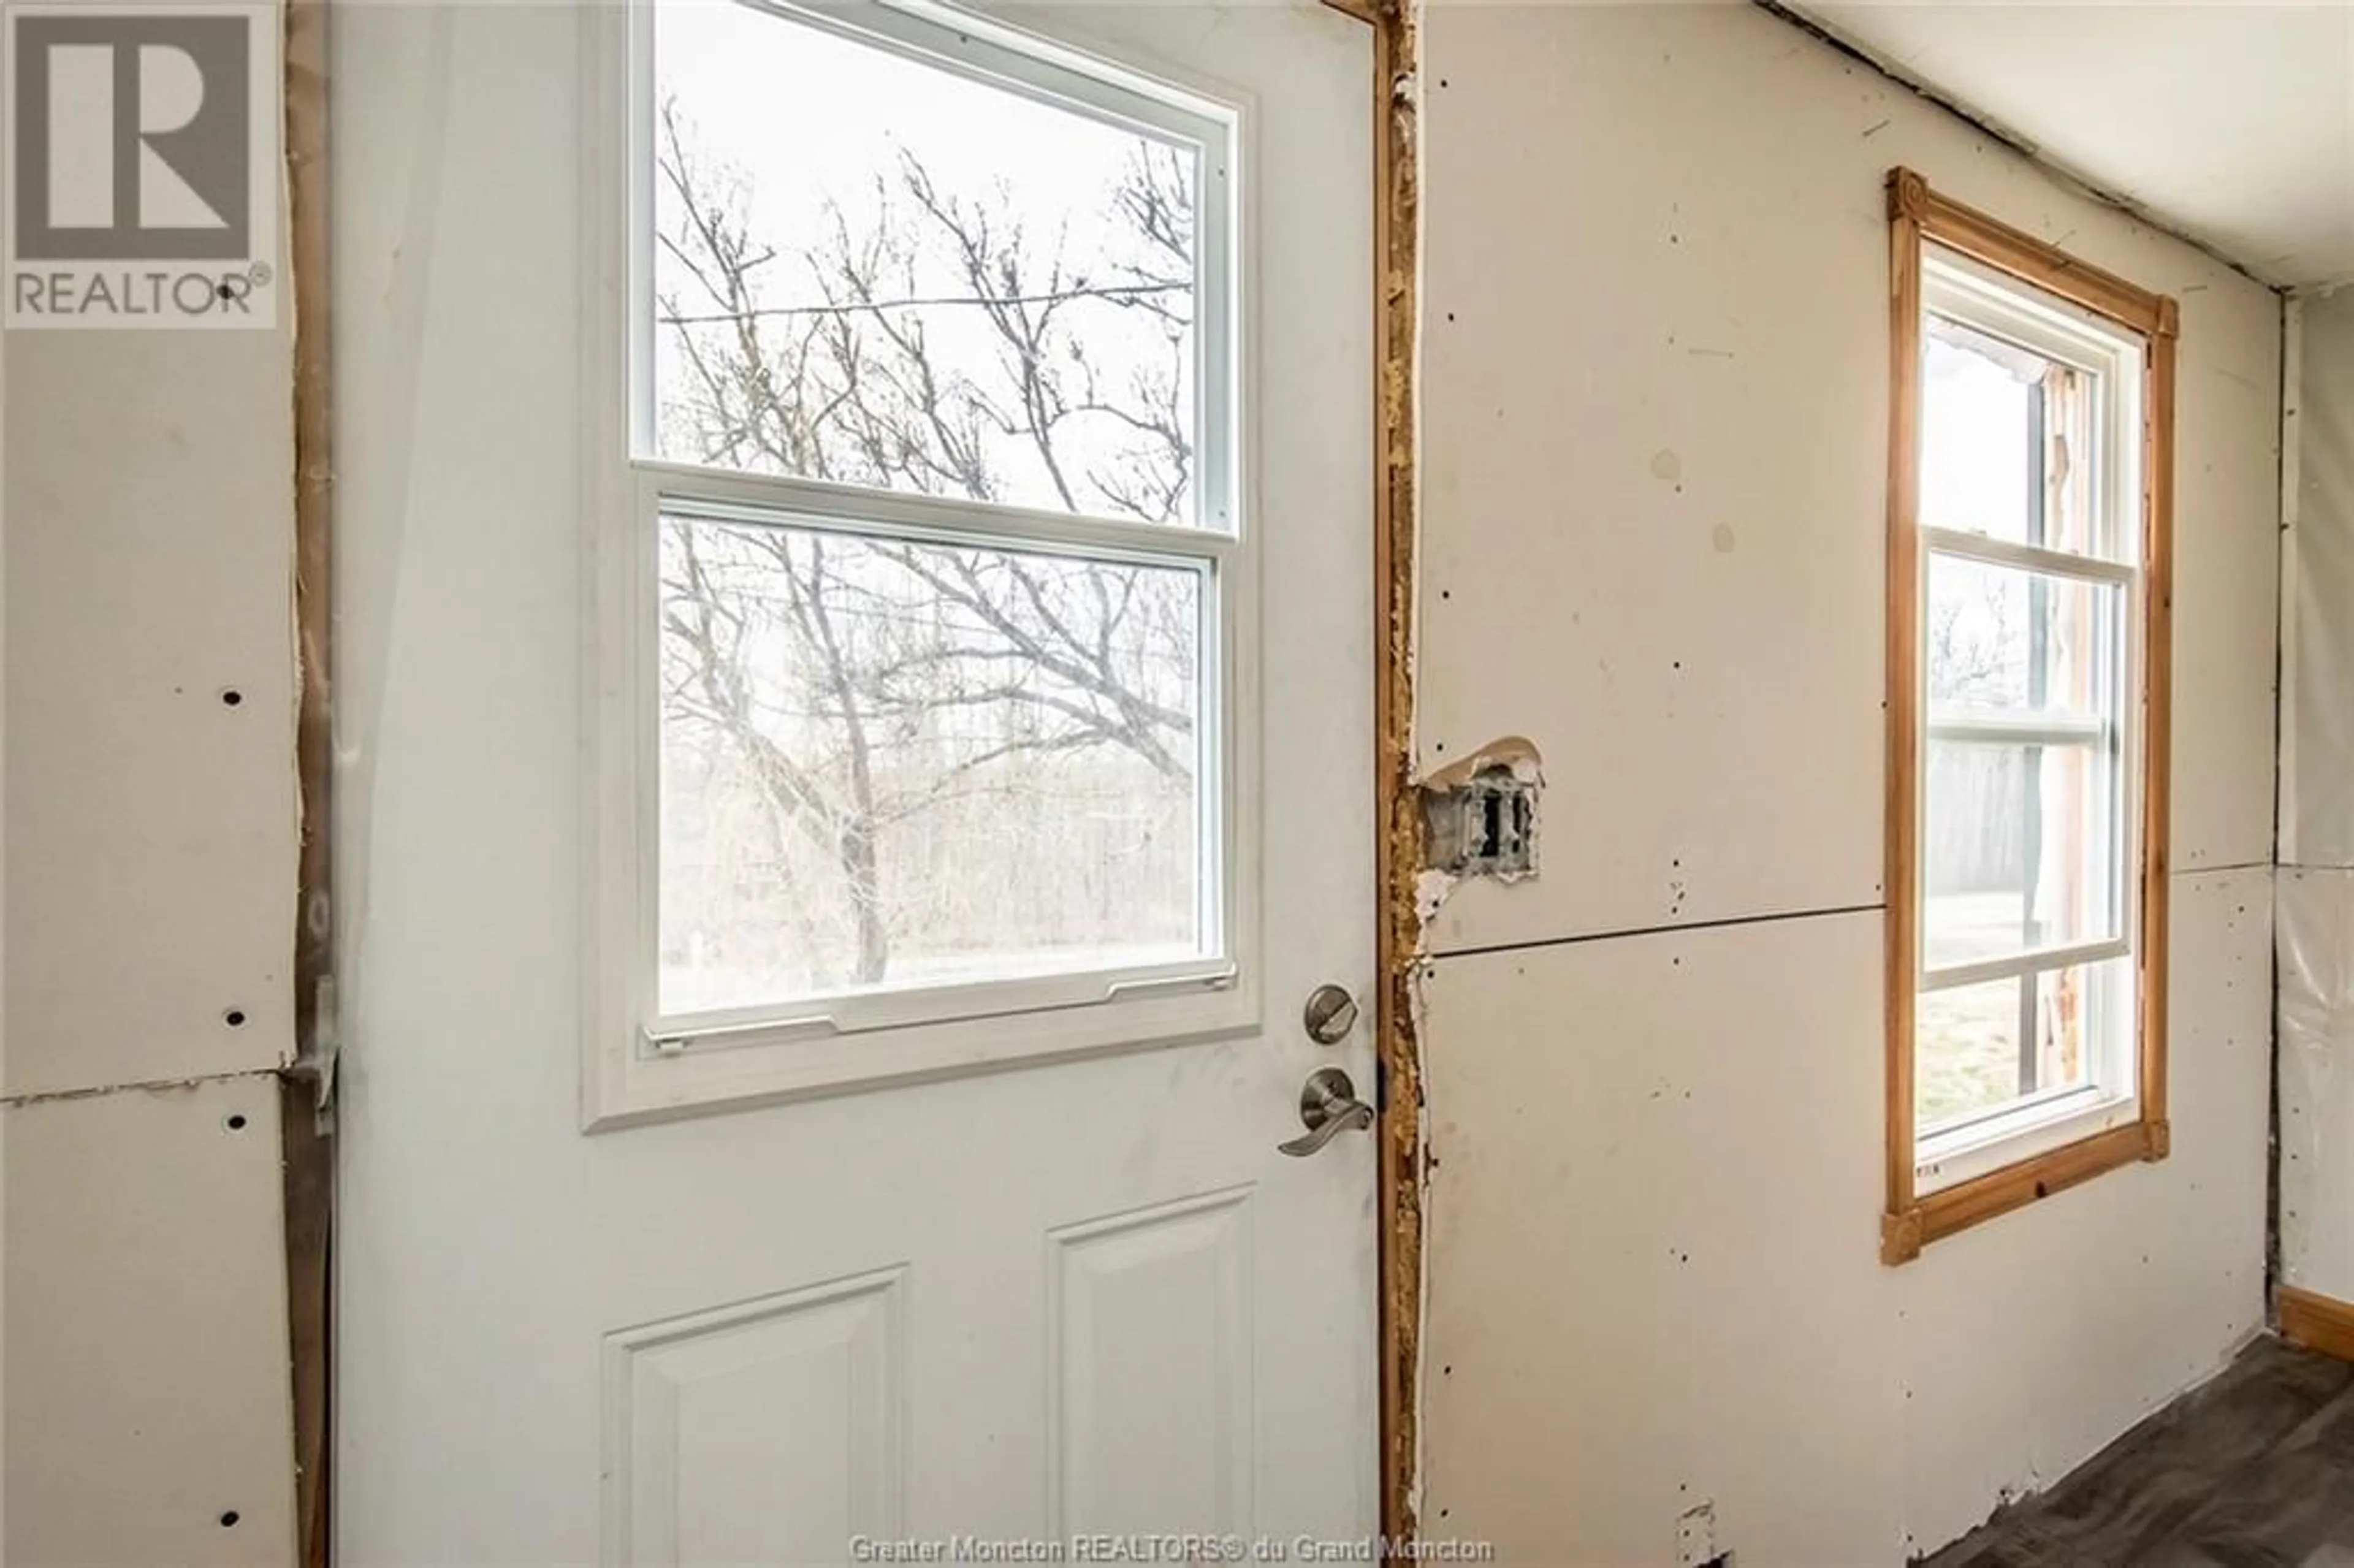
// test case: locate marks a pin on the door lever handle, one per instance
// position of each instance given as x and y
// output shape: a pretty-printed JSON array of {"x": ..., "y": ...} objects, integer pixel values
[{"x": 1329, "y": 1107}]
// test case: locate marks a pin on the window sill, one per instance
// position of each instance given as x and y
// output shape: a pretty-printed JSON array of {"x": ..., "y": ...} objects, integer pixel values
[
  {"x": 2025, "y": 1131},
  {"x": 1941, "y": 1214},
  {"x": 629, "y": 1084}
]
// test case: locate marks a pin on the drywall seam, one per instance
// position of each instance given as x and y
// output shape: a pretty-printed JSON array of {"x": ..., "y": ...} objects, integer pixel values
[
  {"x": 134, "y": 1086},
  {"x": 2284, "y": 803},
  {"x": 1771, "y": 918},
  {"x": 306, "y": 1144},
  {"x": 2016, "y": 140},
  {"x": 2284, "y": 808}
]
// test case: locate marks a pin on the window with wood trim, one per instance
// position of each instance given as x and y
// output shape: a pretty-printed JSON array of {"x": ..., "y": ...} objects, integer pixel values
[{"x": 2029, "y": 474}]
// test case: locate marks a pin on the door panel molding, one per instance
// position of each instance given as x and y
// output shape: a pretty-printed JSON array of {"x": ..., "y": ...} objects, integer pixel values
[
  {"x": 748, "y": 1381},
  {"x": 1177, "y": 1276}
]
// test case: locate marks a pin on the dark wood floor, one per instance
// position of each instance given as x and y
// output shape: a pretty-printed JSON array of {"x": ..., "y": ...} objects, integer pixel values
[{"x": 2255, "y": 1467}]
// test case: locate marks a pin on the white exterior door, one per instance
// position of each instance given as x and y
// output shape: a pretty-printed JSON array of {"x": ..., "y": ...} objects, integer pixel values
[{"x": 855, "y": 687}]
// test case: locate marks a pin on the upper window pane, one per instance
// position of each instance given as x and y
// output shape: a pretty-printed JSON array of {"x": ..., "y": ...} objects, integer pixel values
[
  {"x": 875, "y": 270},
  {"x": 2008, "y": 441}
]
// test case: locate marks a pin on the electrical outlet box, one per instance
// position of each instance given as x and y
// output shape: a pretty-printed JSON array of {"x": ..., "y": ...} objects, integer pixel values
[{"x": 1485, "y": 826}]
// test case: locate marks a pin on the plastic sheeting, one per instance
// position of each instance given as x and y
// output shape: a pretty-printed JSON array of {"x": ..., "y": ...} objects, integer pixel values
[
  {"x": 2315, "y": 918},
  {"x": 2318, "y": 785},
  {"x": 2314, "y": 928}
]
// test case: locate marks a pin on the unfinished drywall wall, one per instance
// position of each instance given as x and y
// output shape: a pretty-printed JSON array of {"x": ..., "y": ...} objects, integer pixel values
[
  {"x": 151, "y": 828},
  {"x": 2316, "y": 847},
  {"x": 1655, "y": 416}
]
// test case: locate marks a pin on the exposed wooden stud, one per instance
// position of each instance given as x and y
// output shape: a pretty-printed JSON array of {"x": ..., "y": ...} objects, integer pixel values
[
  {"x": 1397, "y": 252},
  {"x": 1918, "y": 214}
]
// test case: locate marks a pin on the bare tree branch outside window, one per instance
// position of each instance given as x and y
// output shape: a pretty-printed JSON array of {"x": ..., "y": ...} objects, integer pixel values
[{"x": 888, "y": 760}]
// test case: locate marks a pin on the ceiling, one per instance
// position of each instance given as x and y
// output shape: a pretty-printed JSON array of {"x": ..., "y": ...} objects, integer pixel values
[{"x": 2230, "y": 123}]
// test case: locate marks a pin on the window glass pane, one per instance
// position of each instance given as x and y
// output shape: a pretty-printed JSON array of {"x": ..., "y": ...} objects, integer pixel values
[
  {"x": 2021, "y": 833},
  {"x": 1967, "y": 1039},
  {"x": 2000, "y": 638},
  {"x": 877, "y": 271},
  {"x": 2007, "y": 441},
  {"x": 2016, "y": 851},
  {"x": 888, "y": 763}
]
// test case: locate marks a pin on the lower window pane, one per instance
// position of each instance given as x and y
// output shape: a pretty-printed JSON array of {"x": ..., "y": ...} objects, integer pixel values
[
  {"x": 889, "y": 763},
  {"x": 1980, "y": 1048}
]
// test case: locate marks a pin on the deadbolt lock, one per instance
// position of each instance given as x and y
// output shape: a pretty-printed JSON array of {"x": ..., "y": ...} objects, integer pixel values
[{"x": 1330, "y": 1015}]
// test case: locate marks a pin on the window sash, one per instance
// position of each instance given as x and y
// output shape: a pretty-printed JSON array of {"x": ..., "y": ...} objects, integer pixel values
[
  {"x": 2027, "y": 962},
  {"x": 2037, "y": 558},
  {"x": 734, "y": 496},
  {"x": 2111, "y": 1085},
  {"x": 2022, "y": 727},
  {"x": 2021, "y": 1114},
  {"x": 993, "y": 54},
  {"x": 2102, "y": 736},
  {"x": 766, "y": 500}
]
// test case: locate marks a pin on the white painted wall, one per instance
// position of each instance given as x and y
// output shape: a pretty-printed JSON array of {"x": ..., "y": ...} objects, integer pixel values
[
  {"x": 1656, "y": 389},
  {"x": 147, "y": 508},
  {"x": 2316, "y": 877}
]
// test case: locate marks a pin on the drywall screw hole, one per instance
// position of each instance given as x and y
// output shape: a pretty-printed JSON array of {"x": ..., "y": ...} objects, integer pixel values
[
  {"x": 234, "y": 1018},
  {"x": 228, "y": 1520},
  {"x": 231, "y": 697},
  {"x": 236, "y": 1123}
]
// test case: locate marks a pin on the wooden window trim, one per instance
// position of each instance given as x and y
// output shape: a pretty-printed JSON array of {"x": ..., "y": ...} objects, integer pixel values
[{"x": 1918, "y": 214}]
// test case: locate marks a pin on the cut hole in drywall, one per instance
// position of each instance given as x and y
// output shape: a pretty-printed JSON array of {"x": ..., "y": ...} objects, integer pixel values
[
  {"x": 1480, "y": 816},
  {"x": 1478, "y": 819}
]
